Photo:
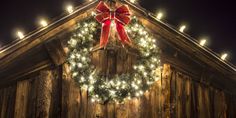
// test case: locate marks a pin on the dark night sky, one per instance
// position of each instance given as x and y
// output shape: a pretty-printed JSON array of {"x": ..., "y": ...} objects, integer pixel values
[{"x": 215, "y": 19}]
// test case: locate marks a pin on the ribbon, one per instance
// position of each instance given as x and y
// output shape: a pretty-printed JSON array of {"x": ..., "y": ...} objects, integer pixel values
[{"x": 105, "y": 16}]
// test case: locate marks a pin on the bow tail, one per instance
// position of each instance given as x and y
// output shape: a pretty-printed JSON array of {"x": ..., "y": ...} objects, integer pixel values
[
  {"x": 123, "y": 36},
  {"x": 105, "y": 33}
]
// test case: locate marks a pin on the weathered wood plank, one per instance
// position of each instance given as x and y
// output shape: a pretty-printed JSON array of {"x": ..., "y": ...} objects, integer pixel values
[
  {"x": 72, "y": 96},
  {"x": 44, "y": 93},
  {"x": 166, "y": 75},
  {"x": 188, "y": 97},
  {"x": 173, "y": 95},
  {"x": 32, "y": 98},
  {"x": 56, "y": 98},
  {"x": 8, "y": 102},
  {"x": 21, "y": 100}
]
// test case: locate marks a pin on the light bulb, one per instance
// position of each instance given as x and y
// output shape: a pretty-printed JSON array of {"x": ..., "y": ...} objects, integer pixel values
[
  {"x": 133, "y": 1},
  {"x": 20, "y": 34},
  {"x": 159, "y": 15},
  {"x": 43, "y": 23},
  {"x": 223, "y": 56},
  {"x": 182, "y": 28},
  {"x": 202, "y": 42},
  {"x": 69, "y": 9}
]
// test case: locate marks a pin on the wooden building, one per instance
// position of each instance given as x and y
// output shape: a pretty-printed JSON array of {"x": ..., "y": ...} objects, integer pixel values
[{"x": 35, "y": 81}]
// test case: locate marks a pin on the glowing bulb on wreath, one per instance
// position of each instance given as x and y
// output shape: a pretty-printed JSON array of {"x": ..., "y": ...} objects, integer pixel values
[
  {"x": 123, "y": 87},
  {"x": 141, "y": 67},
  {"x": 92, "y": 100},
  {"x": 129, "y": 98},
  {"x": 139, "y": 81},
  {"x": 83, "y": 58},
  {"x": 74, "y": 74},
  {"x": 118, "y": 83},
  {"x": 112, "y": 92},
  {"x": 137, "y": 94},
  {"x": 80, "y": 65},
  {"x": 82, "y": 79},
  {"x": 90, "y": 88},
  {"x": 152, "y": 66},
  {"x": 145, "y": 74},
  {"x": 73, "y": 42},
  {"x": 141, "y": 92}
]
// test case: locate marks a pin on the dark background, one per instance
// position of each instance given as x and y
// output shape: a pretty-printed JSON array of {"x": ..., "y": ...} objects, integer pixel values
[{"x": 214, "y": 19}]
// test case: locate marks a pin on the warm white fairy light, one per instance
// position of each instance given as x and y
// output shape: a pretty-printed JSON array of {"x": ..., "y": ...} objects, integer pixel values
[
  {"x": 133, "y": 1},
  {"x": 69, "y": 9},
  {"x": 202, "y": 42},
  {"x": 159, "y": 15},
  {"x": 92, "y": 100},
  {"x": 182, "y": 28},
  {"x": 43, "y": 23},
  {"x": 224, "y": 56},
  {"x": 20, "y": 34}
]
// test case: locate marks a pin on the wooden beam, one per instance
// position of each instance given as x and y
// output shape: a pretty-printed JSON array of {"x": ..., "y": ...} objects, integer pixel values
[{"x": 56, "y": 51}]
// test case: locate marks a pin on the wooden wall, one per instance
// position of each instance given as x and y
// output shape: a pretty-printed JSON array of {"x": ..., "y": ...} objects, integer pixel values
[{"x": 51, "y": 93}]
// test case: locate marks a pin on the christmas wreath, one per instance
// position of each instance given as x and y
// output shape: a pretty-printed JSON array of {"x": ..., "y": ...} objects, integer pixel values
[{"x": 145, "y": 72}]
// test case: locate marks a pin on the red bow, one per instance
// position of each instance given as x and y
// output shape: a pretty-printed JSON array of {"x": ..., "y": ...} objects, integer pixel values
[{"x": 120, "y": 17}]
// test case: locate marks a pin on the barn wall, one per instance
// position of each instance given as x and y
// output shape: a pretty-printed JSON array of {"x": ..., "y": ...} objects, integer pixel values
[{"x": 52, "y": 93}]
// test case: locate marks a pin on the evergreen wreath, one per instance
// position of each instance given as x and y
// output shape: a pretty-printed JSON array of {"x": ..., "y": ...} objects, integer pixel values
[{"x": 120, "y": 87}]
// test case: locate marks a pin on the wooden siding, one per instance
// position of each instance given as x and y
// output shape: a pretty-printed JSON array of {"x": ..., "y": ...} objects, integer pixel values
[{"x": 52, "y": 93}]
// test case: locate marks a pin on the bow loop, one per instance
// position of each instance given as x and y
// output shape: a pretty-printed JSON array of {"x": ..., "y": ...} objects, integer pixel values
[{"x": 102, "y": 7}]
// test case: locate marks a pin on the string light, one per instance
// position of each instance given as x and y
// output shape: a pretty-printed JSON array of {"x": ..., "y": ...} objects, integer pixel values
[
  {"x": 133, "y": 1},
  {"x": 224, "y": 56},
  {"x": 182, "y": 28},
  {"x": 20, "y": 34},
  {"x": 159, "y": 15},
  {"x": 69, "y": 9},
  {"x": 202, "y": 42},
  {"x": 43, "y": 23}
]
